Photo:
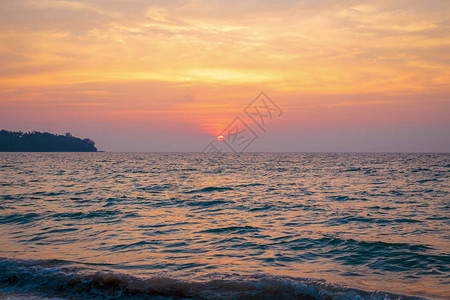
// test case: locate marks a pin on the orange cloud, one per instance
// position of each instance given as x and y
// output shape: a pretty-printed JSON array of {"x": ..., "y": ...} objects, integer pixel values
[{"x": 138, "y": 60}]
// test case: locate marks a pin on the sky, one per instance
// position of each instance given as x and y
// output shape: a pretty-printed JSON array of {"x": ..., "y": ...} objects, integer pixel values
[{"x": 344, "y": 76}]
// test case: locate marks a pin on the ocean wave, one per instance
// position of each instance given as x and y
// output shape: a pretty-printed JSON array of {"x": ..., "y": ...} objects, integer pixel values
[
  {"x": 210, "y": 189},
  {"x": 234, "y": 229},
  {"x": 208, "y": 203},
  {"x": 365, "y": 219},
  {"x": 15, "y": 218},
  {"x": 99, "y": 213},
  {"x": 376, "y": 255},
  {"x": 54, "y": 278}
]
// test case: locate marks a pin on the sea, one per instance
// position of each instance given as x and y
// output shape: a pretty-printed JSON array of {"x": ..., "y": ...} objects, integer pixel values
[{"x": 224, "y": 226}]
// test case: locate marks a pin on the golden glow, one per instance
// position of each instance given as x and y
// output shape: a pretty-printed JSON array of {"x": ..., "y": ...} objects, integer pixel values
[{"x": 121, "y": 59}]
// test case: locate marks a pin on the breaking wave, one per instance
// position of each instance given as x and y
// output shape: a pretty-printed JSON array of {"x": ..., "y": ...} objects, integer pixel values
[{"x": 35, "y": 279}]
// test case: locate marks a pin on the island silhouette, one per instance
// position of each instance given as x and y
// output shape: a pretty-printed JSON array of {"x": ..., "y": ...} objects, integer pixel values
[{"x": 17, "y": 141}]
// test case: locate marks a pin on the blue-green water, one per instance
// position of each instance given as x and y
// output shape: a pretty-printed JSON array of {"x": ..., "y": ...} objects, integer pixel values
[{"x": 255, "y": 225}]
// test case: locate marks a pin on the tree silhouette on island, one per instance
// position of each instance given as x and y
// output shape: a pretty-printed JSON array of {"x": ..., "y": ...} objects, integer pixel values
[{"x": 17, "y": 141}]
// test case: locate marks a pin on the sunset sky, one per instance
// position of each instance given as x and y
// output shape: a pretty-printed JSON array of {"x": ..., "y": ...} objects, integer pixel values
[{"x": 171, "y": 75}]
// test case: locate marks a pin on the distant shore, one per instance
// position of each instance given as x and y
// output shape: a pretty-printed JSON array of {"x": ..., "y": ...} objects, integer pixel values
[{"x": 17, "y": 141}]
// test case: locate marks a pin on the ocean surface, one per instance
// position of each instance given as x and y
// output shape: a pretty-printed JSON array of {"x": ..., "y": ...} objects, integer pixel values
[{"x": 210, "y": 226}]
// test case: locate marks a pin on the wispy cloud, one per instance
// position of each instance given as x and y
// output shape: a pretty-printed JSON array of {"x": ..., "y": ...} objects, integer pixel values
[{"x": 139, "y": 54}]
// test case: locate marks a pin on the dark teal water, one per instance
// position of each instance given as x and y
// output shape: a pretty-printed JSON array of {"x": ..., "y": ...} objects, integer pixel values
[{"x": 257, "y": 225}]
